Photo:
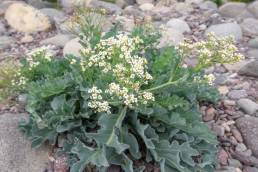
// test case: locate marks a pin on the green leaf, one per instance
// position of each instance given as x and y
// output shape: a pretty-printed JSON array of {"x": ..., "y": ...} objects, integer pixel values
[
  {"x": 109, "y": 131},
  {"x": 88, "y": 155},
  {"x": 119, "y": 159}
]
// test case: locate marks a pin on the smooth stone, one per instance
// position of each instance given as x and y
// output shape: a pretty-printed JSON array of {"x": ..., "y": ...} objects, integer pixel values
[
  {"x": 226, "y": 29},
  {"x": 253, "y": 53},
  {"x": 40, "y": 4},
  {"x": 183, "y": 8},
  {"x": 58, "y": 40},
  {"x": 241, "y": 147},
  {"x": 250, "y": 26},
  {"x": 71, "y": 4},
  {"x": 253, "y": 43},
  {"x": 179, "y": 25},
  {"x": 237, "y": 94},
  {"x": 209, "y": 5},
  {"x": 6, "y": 41},
  {"x": 72, "y": 47},
  {"x": 248, "y": 106},
  {"x": 53, "y": 14},
  {"x": 250, "y": 69},
  {"x": 2, "y": 28},
  {"x": 234, "y": 163},
  {"x": 128, "y": 24},
  {"x": 223, "y": 157},
  {"x": 140, "y": 2},
  {"x": 236, "y": 66},
  {"x": 232, "y": 9},
  {"x": 248, "y": 126},
  {"x": 223, "y": 90},
  {"x": 250, "y": 169},
  {"x": 170, "y": 37},
  {"x": 253, "y": 8},
  {"x": 16, "y": 154},
  {"x": 25, "y": 18},
  {"x": 27, "y": 39},
  {"x": 4, "y": 6},
  {"x": 218, "y": 130},
  {"x": 237, "y": 135},
  {"x": 112, "y": 8},
  {"x": 146, "y": 7}
]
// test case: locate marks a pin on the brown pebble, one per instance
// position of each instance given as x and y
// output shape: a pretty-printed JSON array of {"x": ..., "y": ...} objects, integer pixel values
[{"x": 237, "y": 135}]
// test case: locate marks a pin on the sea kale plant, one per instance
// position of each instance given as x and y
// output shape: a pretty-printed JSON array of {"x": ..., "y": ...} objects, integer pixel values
[{"x": 124, "y": 101}]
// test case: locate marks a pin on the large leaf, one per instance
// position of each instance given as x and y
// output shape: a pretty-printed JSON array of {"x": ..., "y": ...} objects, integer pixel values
[
  {"x": 109, "y": 132},
  {"x": 88, "y": 155}
]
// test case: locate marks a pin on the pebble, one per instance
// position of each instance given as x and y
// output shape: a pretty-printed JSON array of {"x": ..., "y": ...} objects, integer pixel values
[
  {"x": 237, "y": 94},
  {"x": 253, "y": 43},
  {"x": 210, "y": 114},
  {"x": 237, "y": 135},
  {"x": 6, "y": 41},
  {"x": 218, "y": 130},
  {"x": 250, "y": 26},
  {"x": 223, "y": 90},
  {"x": 229, "y": 102},
  {"x": 241, "y": 147},
  {"x": 58, "y": 40},
  {"x": 250, "y": 169},
  {"x": 72, "y": 47},
  {"x": 179, "y": 25},
  {"x": 232, "y": 9},
  {"x": 223, "y": 157},
  {"x": 248, "y": 106},
  {"x": 146, "y": 7},
  {"x": 234, "y": 163}
]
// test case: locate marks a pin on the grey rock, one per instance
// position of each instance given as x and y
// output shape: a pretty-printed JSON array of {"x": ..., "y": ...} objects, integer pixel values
[
  {"x": 16, "y": 154},
  {"x": 248, "y": 106},
  {"x": 183, "y": 8},
  {"x": 170, "y": 37},
  {"x": 22, "y": 99},
  {"x": 237, "y": 94},
  {"x": 209, "y": 5},
  {"x": 250, "y": 69},
  {"x": 248, "y": 126},
  {"x": 240, "y": 147},
  {"x": 234, "y": 163},
  {"x": 6, "y": 41},
  {"x": 250, "y": 169},
  {"x": 232, "y": 9},
  {"x": 253, "y": 53},
  {"x": 253, "y": 43},
  {"x": 250, "y": 26},
  {"x": 140, "y": 2},
  {"x": 58, "y": 40},
  {"x": 244, "y": 14},
  {"x": 112, "y": 8},
  {"x": 40, "y": 4},
  {"x": 179, "y": 25},
  {"x": 146, "y": 7},
  {"x": 228, "y": 169},
  {"x": 253, "y": 8},
  {"x": 2, "y": 28},
  {"x": 226, "y": 29},
  {"x": 72, "y": 47},
  {"x": 69, "y": 5},
  {"x": 53, "y": 14},
  {"x": 218, "y": 130},
  {"x": 236, "y": 66}
]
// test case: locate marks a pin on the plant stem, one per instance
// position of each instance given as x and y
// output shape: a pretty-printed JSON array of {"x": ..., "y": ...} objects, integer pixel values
[{"x": 162, "y": 86}]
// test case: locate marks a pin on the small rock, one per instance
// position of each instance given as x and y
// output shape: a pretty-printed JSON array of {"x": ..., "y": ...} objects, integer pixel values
[
  {"x": 250, "y": 69},
  {"x": 128, "y": 24},
  {"x": 223, "y": 90},
  {"x": 146, "y": 7},
  {"x": 209, "y": 115},
  {"x": 253, "y": 53},
  {"x": 209, "y": 5},
  {"x": 223, "y": 157},
  {"x": 250, "y": 26},
  {"x": 232, "y": 9},
  {"x": 170, "y": 37},
  {"x": 110, "y": 7},
  {"x": 183, "y": 8},
  {"x": 27, "y": 39},
  {"x": 236, "y": 66},
  {"x": 4, "y": 4},
  {"x": 6, "y": 41},
  {"x": 226, "y": 29},
  {"x": 16, "y": 154},
  {"x": 72, "y": 47},
  {"x": 58, "y": 40},
  {"x": 2, "y": 28},
  {"x": 218, "y": 130},
  {"x": 248, "y": 126},
  {"x": 237, "y": 94},
  {"x": 60, "y": 164},
  {"x": 234, "y": 163},
  {"x": 179, "y": 25},
  {"x": 22, "y": 99},
  {"x": 248, "y": 106},
  {"x": 39, "y": 3},
  {"x": 241, "y": 147},
  {"x": 253, "y": 43},
  {"x": 229, "y": 103},
  {"x": 253, "y": 8},
  {"x": 250, "y": 169},
  {"x": 237, "y": 135},
  {"x": 25, "y": 18},
  {"x": 140, "y": 2},
  {"x": 53, "y": 14},
  {"x": 69, "y": 5}
]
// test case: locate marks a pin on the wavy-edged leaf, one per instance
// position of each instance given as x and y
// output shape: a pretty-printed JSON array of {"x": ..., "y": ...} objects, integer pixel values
[
  {"x": 88, "y": 155},
  {"x": 109, "y": 131}
]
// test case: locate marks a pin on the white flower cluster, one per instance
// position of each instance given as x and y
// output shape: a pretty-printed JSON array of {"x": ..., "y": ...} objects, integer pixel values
[
  {"x": 206, "y": 78},
  {"x": 45, "y": 51},
  {"x": 213, "y": 50},
  {"x": 116, "y": 57},
  {"x": 19, "y": 81},
  {"x": 97, "y": 103}
]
